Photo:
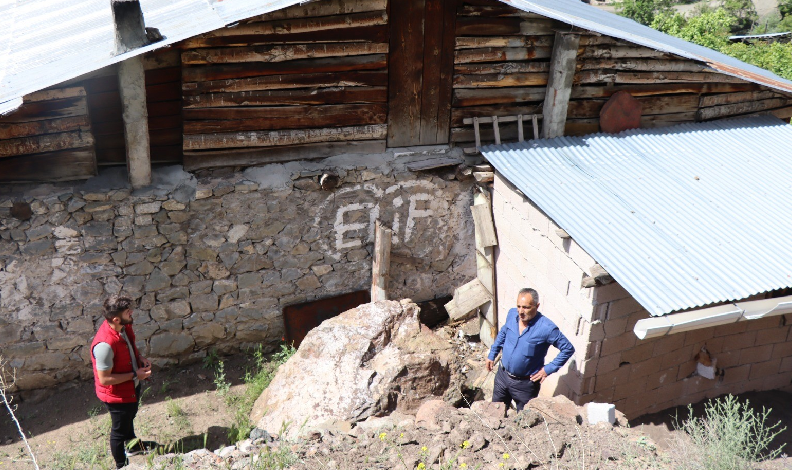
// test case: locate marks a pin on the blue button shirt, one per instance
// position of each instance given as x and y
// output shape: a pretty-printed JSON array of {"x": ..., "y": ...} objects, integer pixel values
[{"x": 524, "y": 354}]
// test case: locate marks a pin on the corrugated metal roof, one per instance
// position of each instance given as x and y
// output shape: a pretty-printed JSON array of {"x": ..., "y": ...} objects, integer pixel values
[
  {"x": 681, "y": 216},
  {"x": 46, "y": 42},
  {"x": 577, "y": 13}
]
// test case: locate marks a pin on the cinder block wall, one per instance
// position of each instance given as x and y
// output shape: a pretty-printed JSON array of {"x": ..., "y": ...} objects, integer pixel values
[
  {"x": 611, "y": 364},
  {"x": 645, "y": 376},
  {"x": 531, "y": 254}
]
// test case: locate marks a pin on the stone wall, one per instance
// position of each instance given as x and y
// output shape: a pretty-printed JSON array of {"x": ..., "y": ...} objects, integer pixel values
[
  {"x": 645, "y": 376},
  {"x": 531, "y": 254},
  {"x": 213, "y": 259},
  {"x": 611, "y": 364}
]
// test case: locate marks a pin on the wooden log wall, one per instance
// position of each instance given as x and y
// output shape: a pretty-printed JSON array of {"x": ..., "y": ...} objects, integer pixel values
[
  {"x": 304, "y": 82},
  {"x": 164, "y": 103},
  {"x": 501, "y": 68},
  {"x": 48, "y": 138}
]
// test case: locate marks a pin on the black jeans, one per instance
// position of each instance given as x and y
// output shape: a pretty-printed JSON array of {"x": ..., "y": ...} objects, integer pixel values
[
  {"x": 508, "y": 389},
  {"x": 122, "y": 427}
]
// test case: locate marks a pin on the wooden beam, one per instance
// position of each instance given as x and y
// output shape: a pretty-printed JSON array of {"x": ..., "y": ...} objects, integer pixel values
[
  {"x": 433, "y": 163},
  {"x": 280, "y": 53},
  {"x": 559, "y": 84},
  {"x": 196, "y": 160},
  {"x": 283, "y": 137},
  {"x": 484, "y": 226},
  {"x": 485, "y": 262},
  {"x": 311, "y": 96},
  {"x": 467, "y": 298},
  {"x": 381, "y": 266}
]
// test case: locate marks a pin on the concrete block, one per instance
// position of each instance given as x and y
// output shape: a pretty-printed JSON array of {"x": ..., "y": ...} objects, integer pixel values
[
  {"x": 739, "y": 341},
  {"x": 782, "y": 350},
  {"x": 580, "y": 257},
  {"x": 609, "y": 293},
  {"x": 762, "y": 324},
  {"x": 678, "y": 356},
  {"x": 698, "y": 337},
  {"x": 642, "y": 351},
  {"x": 666, "y": 344},
  {"x": 776, "y": 382},
  {"x": 614, "y": 378},
  {"x": 625, "y": 307},
  {"x": 601, "y": 413},
  {"x": 661, "y": 378},
  {"x": 614, "y": 344},
  {"x": 756, "y": 354},
  {"x": 777, "y": 334},
  {"x": 628, "y": 389},
  {"x": 644, "y": 368},
  {"x": 764, "y": 369},
  {"x": 730, "y": 329},
  {"x": 686, "y": 369}
]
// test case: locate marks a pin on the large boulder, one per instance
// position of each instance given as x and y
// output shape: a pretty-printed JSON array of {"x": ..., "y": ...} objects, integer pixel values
[{"x": 368, "y": 361}]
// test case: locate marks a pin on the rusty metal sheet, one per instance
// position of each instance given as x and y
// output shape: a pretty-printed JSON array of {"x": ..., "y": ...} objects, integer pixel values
[
  {"x": 620, "y": 113},
  {"x": 301, "y": 318}
]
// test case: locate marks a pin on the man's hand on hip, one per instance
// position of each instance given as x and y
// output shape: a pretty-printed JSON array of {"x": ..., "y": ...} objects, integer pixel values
[
  {"x": 489, "y": 365},
  {"x": 540, "y": 376}
]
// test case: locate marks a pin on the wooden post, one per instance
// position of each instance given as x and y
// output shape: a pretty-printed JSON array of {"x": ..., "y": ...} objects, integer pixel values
[
  {"x": 559, "y": 84},
  {"x": 381, "y": 266},
  {"x": 485, "y": 263},
  {"x": 130, "y": 35}
]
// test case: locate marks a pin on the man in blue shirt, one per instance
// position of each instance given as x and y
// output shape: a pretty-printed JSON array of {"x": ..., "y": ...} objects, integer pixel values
[{"x": 525, "y": 338}]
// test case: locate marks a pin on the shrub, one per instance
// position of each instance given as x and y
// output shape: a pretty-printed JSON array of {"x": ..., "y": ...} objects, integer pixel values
[{"x": 730, "y": 436}]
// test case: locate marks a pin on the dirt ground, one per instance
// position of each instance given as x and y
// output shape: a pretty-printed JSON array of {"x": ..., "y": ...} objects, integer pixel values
[{"x": 69, "y": 429}]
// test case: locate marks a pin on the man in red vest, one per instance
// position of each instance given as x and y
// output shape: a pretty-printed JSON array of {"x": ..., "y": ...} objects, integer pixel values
[{"x": 118, "y": 369}]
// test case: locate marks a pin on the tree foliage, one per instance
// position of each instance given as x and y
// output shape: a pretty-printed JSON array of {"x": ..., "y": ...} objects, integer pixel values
[{"x": 643, "y": 11}]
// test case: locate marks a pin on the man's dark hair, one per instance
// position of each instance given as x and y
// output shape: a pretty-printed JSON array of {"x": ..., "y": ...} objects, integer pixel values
[
  {"x": 115, "y": 305},
  {"x": 528, "y": 290}
]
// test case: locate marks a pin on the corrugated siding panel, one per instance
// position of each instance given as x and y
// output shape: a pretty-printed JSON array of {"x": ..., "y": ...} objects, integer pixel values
[{"x": 681, "y": 216}]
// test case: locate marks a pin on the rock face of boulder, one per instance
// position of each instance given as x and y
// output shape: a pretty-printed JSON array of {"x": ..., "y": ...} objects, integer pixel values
[{"x": 368, "y": 361}]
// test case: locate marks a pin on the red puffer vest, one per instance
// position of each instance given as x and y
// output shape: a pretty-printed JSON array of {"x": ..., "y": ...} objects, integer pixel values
[{"x": 122, "y": 363}]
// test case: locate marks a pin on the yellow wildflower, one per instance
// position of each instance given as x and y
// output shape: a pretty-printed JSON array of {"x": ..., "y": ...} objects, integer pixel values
[
  {"x": 421, "y": 466},
  {"x": 506, "y": 456},
  {"x": 382, "y": 436},
  {"x": 424, "y": 449},
  {"x": 463, "y": 465}
]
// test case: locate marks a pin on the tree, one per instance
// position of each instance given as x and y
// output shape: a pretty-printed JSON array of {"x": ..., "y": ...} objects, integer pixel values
[
  {"x": 744, "y": 12},
  {"x": 784, "y": 7},
  {"x": 643, "y": 11}
]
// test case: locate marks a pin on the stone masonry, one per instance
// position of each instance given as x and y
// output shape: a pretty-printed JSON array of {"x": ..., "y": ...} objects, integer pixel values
[{"x": 213, "y": 260}]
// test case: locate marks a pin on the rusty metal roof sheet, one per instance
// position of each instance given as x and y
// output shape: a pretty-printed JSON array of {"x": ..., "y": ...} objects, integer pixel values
[
  {"x": 46, "y": 42},
  {"x": 582, "y": 15},
  {"x": 681, "y": 216}
]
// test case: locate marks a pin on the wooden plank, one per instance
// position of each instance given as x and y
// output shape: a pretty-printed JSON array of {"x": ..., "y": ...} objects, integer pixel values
[
  {"x": 310, "y": 81},
  {"x": 485, "y": 263},
  {"x": 665, "y": 120},
  {"x": 446, "y": 63},
  {"x": 596, "y": 91},
  {"x": 458, "y": 115},
  {"x": 44, "y": 110},
  {"x": 325, "y": 8},
  {"x": 200, "y": 121},
  {"x": 430, "y": 79},
  {"x": 478, "y": 42},
  {"x": 196, "y": 160},
  {"x": 620, "y": 52},
  {"x": 53, "y": 126},
  {"x": 65, "y": 165},
  {"x": 303, "y": 25},
  {"x": 472, "y": 26},
  {"x": 45, "y": 143},
  {"x": 492, "y": 80},
  {"x": 467, "y": 298},
  {"x": 503, "y": 68},
  {"x": 283, "y": 137},
  {"x": 313, "y": 66},
  {"x": 650, "y": 65},
  {"x": 477, "y": 97},
  {"x": 495, "y": 11},
  {"x": 736, "y": 109},
  {"x": 335, "y": 95},
  {"x": 164, "y": 92},
  {"x": 508, "y": 132},
  {"x": 495, "y": 54},
  {"x": 599, "y": 77},
  {"x": 581, "y": 126},
  {"x": 559, "y": 84},
  {"x": 651, "y": 105},
  {"x": 55, "y": 94},
  {"x": 377, "y": 33},
  {"x": 485, "y": 176},
  {"x": 484, "y": 226},
  {"x": 380, "y": 267},
  {"x": 278, "y": 53},
  {"x": 732, "y": 98},
  {"x": 406, "y": 72},
  {"x": 433, "y": 163},
  {"x": 163, "y": 75}
]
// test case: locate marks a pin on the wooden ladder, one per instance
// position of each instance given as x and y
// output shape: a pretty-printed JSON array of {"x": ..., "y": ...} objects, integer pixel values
[{"x": 495, "y": 120}]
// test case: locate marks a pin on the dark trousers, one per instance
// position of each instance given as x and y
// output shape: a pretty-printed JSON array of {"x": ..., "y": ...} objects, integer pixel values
[
  {"x": 122, "y": 427},
  {"x": 508, "y": 389}
]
